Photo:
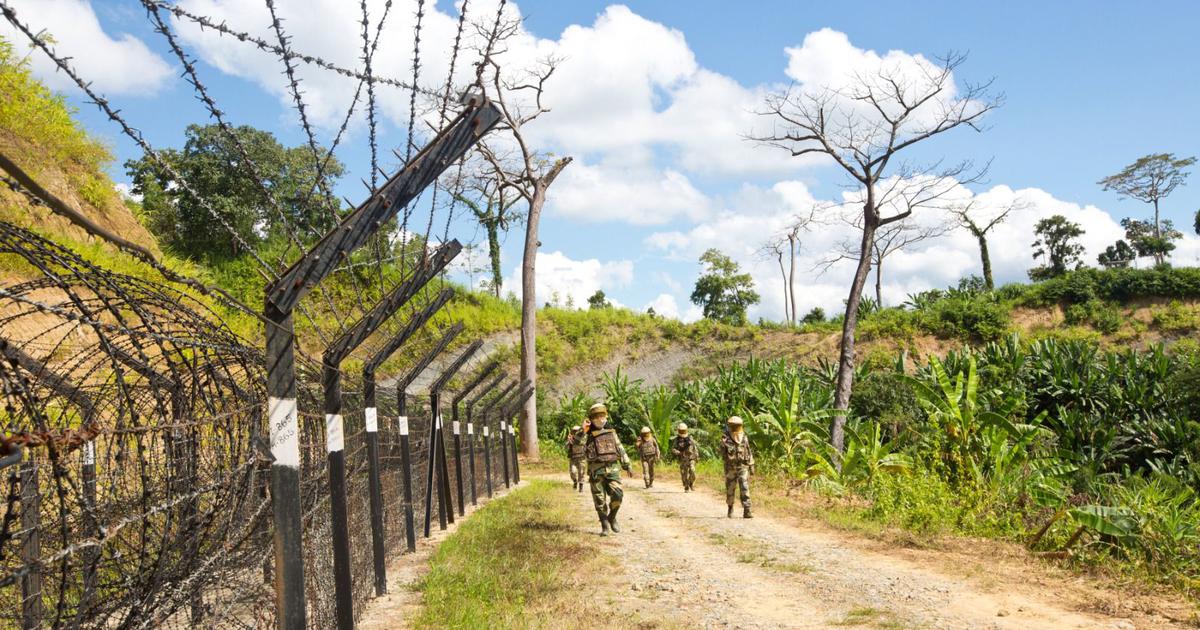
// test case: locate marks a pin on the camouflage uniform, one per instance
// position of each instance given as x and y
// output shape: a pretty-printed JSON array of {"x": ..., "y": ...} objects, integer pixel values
[
  {"x": 578, "y": 459},
  {"x": 738, "y": 462},
  {"x": 606, "y": 457},
  {"x": 647, "y": 448},
  {"x": 685, "y": 450}
]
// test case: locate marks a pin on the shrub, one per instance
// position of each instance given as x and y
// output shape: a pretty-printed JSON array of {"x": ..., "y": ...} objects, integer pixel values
[{"x": 1104, "y": 317}]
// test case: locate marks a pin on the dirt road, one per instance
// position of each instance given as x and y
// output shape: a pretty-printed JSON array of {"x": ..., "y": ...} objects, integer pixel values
[{"x": 687, "y": 564}]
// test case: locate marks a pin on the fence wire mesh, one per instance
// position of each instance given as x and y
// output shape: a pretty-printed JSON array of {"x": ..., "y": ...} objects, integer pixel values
[{"x": 134, "y": 454}]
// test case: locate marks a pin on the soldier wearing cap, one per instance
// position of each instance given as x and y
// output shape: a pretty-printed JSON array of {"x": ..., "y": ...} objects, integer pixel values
[
  {"x": 647, "y": 448},
  {"x": 605, "y": 457},
  {"x": 739, "y": 463},
  {"x": 684, "y": 448},
  {"x": 577, "y": 457}
]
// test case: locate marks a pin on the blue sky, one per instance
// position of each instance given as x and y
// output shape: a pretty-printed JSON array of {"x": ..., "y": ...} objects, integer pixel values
[{"x": 652, "y": 100}]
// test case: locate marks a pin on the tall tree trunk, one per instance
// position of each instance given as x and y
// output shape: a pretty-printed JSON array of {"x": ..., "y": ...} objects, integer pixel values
[
  {"x": 493, "y": 234},
  {"x": 845, "y": 373},
  {"x": 879, "y": 283},
  {"x": 529, "y": 428},
  {"x": 787, "y": 316},
  {"x": 529, "y": 443},
  {"x": 1158, "y": 256},
  {"x": 792, "y": 277},
  {"x": 986, "y": 259}
]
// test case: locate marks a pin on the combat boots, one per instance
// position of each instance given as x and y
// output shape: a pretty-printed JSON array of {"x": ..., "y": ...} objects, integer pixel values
[
  {"x": 581, "y": 486},
  {"x": 729, "y": 514},
  {"x": 746, "y": 513},
  {"x": 603, "y": 526},
  {"x": 612, "y": 520}
]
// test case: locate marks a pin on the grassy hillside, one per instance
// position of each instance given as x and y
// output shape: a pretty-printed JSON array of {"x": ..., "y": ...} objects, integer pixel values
[{"x": 39, "y": 133}]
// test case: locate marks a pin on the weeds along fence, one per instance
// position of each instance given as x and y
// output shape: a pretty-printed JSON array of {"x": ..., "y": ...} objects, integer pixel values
[{"x": 136, "y": 464}]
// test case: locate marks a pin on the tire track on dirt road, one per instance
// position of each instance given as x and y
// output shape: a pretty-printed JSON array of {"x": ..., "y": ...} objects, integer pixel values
[{"x": 694, "y": 567}]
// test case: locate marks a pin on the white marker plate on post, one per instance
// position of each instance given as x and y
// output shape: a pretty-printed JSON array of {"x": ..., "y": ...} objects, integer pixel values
[
  {"x": 89, "y": 453},
  {"x": 333, "y": 432},
  {"x": 455, "y": 423},
  {"x": 485, "y": 431},
  {"x": 372, "y": 419},
  {"x": 285, "y": 438},
  {"x": 403, "y": 422},
  {"x": 470, "y": 429}
]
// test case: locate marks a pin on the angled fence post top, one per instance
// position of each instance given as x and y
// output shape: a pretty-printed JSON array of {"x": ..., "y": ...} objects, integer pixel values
[
  {"x": 446, "y": 148},
  {"x": 486, "y": 389},
  {"x": 470, "y": 387},
  {"x": 451, "y": 334},
  {"x": 499, "y": 397},
  {"x": 514, "y": 392},
  {"x": 414, "y": 324},
  {"x": 388, "y": 305},
  {"x": 457, "y": 365}
]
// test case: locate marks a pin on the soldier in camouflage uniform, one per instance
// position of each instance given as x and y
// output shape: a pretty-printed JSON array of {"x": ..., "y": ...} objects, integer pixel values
[
  {"x": 606, "y": 457},
  {"x": 647, "y": 448},
  {"x": 684, "y": 448},
  {"x": 577, "y": 457},
  {"x": 739, "y": 463}
]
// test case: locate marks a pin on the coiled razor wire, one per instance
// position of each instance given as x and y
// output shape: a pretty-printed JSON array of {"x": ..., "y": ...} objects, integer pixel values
[{"x": 134, "y": 462}]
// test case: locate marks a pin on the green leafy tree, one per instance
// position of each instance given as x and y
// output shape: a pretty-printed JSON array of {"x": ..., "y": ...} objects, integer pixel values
[
  {"x": 1147, "y": 241},
  {"x": 1151, "y": 179},
  {"x": 494, "y": 211},
  {"x": 723, "y": 291},
  {"x": 1117, "y": 256},
  {"x": 599, "y": 300},
  {"x": 815, "y": 316},
  {"x": 213, "y": 166},
  {"x": 1056, "y": 246}
]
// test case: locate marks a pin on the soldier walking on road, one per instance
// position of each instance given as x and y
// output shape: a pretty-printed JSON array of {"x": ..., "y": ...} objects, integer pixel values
[
  {"x": 577, "y": 457},
  {"x": 647, "y": 448},
  {"x": 739, "y": 463},
  {"x": 684, "y": 448},
  {"x": 606, "y": 457}
]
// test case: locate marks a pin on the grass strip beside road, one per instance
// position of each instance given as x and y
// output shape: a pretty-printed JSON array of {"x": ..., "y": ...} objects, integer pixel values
[{"x": 522, "y": 561}]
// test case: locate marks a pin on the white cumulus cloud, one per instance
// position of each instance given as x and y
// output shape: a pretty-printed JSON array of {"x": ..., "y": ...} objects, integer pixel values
[
  {"x": 563, "y": 280},
  {"x": 115, "y": 64}
]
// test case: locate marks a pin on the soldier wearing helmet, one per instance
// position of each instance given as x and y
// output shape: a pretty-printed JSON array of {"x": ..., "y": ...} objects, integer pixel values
[
  {"x": 683, "y": 447},
  {"x": 739, "y": 463},
  {"x": 577, "y": 457},
  {"x": 605, "y": 457},
  {"x": 647, "y": 448}
]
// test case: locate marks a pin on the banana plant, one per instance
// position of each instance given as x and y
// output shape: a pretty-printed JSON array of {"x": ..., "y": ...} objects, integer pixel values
[
  {"x": 791, "y": 406},
  {"x": 660, "y": 409}
]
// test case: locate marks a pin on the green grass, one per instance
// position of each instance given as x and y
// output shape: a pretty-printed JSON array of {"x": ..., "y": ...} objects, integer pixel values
[
  {"x": 870, "y": 617},
  {"x": 522, "y": 561}
]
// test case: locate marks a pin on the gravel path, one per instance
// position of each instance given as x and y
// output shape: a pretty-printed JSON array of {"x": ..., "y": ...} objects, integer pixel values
[{"x": 695, "y": 568}]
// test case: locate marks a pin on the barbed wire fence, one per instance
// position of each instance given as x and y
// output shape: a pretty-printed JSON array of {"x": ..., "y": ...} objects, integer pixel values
[{"x": 159, "y": 468}]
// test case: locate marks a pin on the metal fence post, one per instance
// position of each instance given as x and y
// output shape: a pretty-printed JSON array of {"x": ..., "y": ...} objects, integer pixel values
[
  {"x": 395, "y": 343},
  {"x": 410, "y": 532},
  {"x": 31, "y": 547},
  {"x": 281, "y": 298},
  {"x": 371, "y": 419},
  {"x": 337, "y": 351}
]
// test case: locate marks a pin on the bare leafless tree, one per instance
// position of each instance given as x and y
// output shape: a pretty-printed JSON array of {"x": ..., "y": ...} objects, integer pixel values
[
  {"x": 521, "y": 169},
  {"x": 977, "y": 220},
  {"x": 862, "y": 127},
  {"x": 889, "y": 239},
  {"x": 773, "y": 249}
]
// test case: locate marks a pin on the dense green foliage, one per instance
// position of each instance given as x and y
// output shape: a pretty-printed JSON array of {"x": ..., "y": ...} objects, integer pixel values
[
  {"x": 1056, "y": 246},
  {"x": 275, "y": 192},
  {"x": 723, "y": 290},
  {"x": 1061, "y": 444}
]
